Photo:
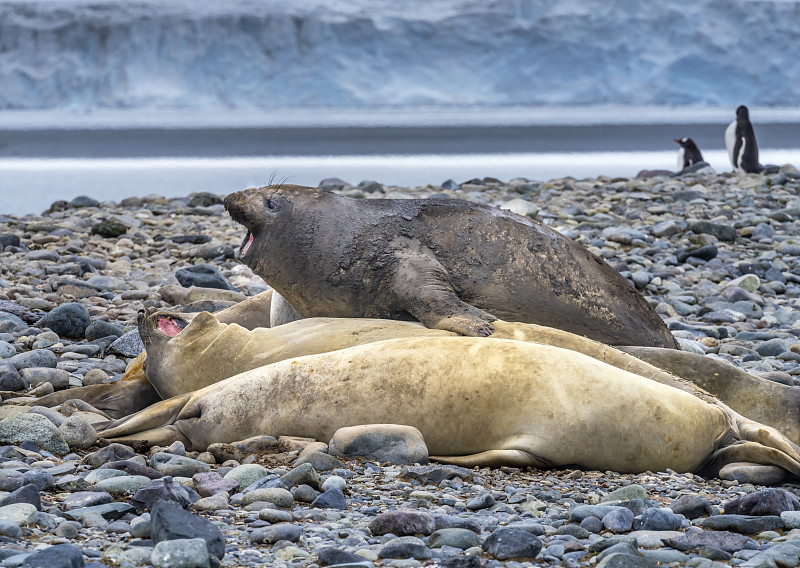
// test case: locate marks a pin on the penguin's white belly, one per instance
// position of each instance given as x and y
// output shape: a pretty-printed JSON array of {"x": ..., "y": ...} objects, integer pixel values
[
  {"x": 730, "y": 141},
  {"x": 740, "y": 158},
  {"x": 681, "y": 153}
]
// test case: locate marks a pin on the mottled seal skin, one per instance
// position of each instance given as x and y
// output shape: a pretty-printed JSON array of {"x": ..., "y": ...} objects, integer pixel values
[
  {"x": 477, "y": 402},
  {"x": 450, "y": 264},
  {"x": 757, "y": 398}
]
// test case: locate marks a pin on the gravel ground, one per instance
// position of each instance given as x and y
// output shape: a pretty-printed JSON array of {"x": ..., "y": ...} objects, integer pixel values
[{"x": 716, "y": 254}]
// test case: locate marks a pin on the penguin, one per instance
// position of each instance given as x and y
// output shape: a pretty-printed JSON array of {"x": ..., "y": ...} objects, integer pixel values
[
  {"x": 740, "y": 139},
  {"x": 688, "y": 154}
]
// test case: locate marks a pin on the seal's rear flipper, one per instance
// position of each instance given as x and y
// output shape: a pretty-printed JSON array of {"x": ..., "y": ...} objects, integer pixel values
[
  {"x": 155, "y": 437},
  {"x": 118, "y": 399},
  {"x": 158, "y": 415},
  {"x": 78, "y": 405},
  {"x": 761, "y": 400},
  {"x": 495, "y": 458},
  {"x": 767, "y": 436},
  {"x": 752, "y": 452},
  {"x": 131, "y": 393}
]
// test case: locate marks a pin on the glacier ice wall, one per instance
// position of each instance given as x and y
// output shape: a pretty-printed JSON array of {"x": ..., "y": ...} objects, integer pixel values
[{"x": 258, "y": 54}]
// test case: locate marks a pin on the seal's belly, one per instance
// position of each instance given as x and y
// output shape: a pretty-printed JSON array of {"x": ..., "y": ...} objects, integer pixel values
[{"x": 472, "y": 395}]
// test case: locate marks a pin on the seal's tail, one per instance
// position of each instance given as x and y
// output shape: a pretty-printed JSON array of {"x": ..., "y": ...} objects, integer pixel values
[
  {"x": 757, "y": 444},
  {"x": 750, "y": 452}
]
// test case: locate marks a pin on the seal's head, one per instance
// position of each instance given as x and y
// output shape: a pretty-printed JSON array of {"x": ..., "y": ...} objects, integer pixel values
[
  {"x": 155, "y": 325},
  {"x": 268, "y": 214},
  {"x": 260, "y": 210},
  {"x": 157, "y": 328}
]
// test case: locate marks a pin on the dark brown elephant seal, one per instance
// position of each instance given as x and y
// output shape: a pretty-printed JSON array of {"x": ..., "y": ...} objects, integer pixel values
[{"x": 450, "y": 264}]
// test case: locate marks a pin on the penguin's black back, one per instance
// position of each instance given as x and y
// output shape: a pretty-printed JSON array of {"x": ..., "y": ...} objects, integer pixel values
[
  {"x": 745, "y": 148},
  {"x": 691, "y": 153}
]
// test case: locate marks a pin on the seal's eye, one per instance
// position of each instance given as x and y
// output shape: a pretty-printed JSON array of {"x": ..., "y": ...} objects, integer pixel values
[{"x": 271, "y": 204}]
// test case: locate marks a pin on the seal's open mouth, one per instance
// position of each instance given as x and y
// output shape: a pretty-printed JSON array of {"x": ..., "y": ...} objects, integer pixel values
[
  {"x": 170, "y": 326},
  {"x": 248, "y": 240},
  {"x": 231, "y": 206}
]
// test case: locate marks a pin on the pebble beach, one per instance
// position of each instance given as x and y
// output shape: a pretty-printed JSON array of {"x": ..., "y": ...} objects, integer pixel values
[{"x": 716, "y": 254}]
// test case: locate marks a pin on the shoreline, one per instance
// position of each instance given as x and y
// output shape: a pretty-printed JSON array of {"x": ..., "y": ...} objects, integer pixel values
[{"x": 116, "y": 179}]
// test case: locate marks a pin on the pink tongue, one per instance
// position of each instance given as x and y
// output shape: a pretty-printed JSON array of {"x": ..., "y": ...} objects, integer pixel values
[
  {"x": 247, "y": 245},
  {"x": 168, "y": 327}
]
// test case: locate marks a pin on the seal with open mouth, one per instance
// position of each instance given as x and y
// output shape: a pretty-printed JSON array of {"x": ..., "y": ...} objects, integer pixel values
[
  {"x": 134, "y": 391},
  {"x": 450, "y": 264},
  {"x": 477, "y": 402},
  {"x": 207, "y": 351}
]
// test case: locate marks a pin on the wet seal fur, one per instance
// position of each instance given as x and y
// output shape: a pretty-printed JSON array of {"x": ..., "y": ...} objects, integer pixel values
[
  {"x": 450, "y": 264},
  {"x": 477, "y": 402}
]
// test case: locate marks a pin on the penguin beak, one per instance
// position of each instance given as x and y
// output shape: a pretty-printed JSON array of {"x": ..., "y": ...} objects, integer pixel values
[{"x": 676, "y": 141}]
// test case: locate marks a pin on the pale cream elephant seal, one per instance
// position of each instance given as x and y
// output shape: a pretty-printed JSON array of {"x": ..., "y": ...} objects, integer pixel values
[
  {"x": 134, "y": 391},
  {"x": 207, "y": 351},
  {"x": 477, "y": 402},
  {"x": 186, "y": 355}
]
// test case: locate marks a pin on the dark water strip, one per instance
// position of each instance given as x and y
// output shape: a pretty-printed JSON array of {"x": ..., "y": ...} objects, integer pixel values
[{"x": 338, "y": 141}]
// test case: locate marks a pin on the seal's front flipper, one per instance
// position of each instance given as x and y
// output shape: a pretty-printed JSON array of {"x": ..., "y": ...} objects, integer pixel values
[
  {"x": 160, "y": 414},
  {"x": 495, "y": 458},
  {"x": 423, "y": 288},
  {"x": 250, "y": 313},
  {"x": 475, "y": 326}
]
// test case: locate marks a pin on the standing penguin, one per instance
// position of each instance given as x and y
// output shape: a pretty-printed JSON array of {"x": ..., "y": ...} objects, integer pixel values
[
  {"x": 688, "y": 154},
  {"x": 740, "y": 139}
]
